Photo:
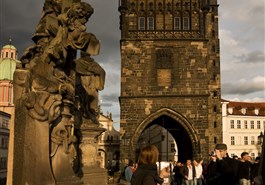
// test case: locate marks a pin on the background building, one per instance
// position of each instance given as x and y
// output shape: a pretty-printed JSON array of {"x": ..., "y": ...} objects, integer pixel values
[
  {"x": 243, "y": 123},
  {"x": 8, "y": 64},
  {"x": 4, "y": 138},
  {"x": 109, "y": 144}
]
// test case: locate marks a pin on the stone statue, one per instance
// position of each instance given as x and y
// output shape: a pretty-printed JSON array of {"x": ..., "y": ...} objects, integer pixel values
[
  {"x": 47, "y": 88},
  {"x": 90, "y": 79}
]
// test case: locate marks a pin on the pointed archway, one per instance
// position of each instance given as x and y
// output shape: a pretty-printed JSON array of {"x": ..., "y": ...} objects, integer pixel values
[{"x": 178, "y": 126}]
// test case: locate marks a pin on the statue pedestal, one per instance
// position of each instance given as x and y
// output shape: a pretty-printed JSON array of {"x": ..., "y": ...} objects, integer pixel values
[{"x": 90, "y": 171}]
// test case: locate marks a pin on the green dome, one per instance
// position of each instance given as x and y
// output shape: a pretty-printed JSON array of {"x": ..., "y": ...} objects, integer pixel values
[
  {"x": 9, "y": 46},
  {"x": 7, "y": 68}
]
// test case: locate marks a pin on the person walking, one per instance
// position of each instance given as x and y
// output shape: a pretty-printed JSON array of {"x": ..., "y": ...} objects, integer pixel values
[
  {"x": 222, "y": 170},
  {"x": 129, "y": 171},
  {"x": 178, "y": 168},
  {"x": 198, "y": 170},
  {"x": 189, "y": 173},
  {"x": 146, "y": 172},
  {"x": 244, "y": 169}
]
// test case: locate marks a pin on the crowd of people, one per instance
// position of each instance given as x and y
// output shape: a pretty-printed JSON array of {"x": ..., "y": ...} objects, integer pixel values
[{"x": 220, "y": 169}]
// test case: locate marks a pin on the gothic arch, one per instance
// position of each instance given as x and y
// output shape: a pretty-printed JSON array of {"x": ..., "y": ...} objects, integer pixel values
[{"x": 174, "y": 115}]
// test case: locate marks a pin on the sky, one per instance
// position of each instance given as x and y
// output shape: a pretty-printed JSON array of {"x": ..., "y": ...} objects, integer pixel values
[{"x": 241, "y": 33}]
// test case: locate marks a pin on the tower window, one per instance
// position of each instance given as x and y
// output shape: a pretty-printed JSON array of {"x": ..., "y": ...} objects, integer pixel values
[
  {"x": 12, "y": 55},
  {"x": 150, "y": 23},
  {"x": 215, "y": 124},
  {"x": 6, "y": 54},
  {"x": 141, "y": 23},
  {"x": 186, "y": 23},
  {"x": 176, "y": 23},
  {"x": 214, "y": 93}
]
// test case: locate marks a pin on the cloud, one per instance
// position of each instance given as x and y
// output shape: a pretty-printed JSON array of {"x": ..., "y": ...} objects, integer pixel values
[
  {"x": 244, "y": 86},
  {"x": 252, "y": 57},
  {"x": 106, "y": 104},
  {"x": 110, "y": 97}
]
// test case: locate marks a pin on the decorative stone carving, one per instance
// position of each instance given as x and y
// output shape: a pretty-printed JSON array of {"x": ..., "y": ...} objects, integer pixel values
[{"x": 56, "y": 99}]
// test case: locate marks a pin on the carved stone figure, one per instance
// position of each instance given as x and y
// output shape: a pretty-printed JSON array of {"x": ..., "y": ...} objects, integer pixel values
[
  {"x": 90, "y": 79},
  {"x": 47, "y": 88}
]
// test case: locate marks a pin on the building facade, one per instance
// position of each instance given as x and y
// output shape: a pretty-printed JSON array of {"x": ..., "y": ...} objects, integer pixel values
[
  {"x": 243, "y": 123},
  {"x": 4, "y": 139},
  {"x": 109, "y": 144},
  {"x": 170, "y": 74},
  {"x": 8, "y": 64}
]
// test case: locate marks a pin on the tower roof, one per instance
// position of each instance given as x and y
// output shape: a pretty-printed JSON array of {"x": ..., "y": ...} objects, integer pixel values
[
  {"x": 7, "y": 68},
  {"x": 9, "y": 46},
  {"x": 8, "y": 61}
]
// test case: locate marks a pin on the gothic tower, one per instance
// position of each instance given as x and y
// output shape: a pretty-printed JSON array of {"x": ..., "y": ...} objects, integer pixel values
[{"x": 170, "y": 74}]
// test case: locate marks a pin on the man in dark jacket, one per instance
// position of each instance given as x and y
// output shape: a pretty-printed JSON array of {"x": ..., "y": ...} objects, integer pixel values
[
  {"x": 222, "y": 170},
  {"x": 244, "y": 169}
]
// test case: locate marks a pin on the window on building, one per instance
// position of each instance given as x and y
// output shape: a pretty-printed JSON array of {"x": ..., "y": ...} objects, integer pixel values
[
  {"x": 150, "y": 23},
  {"x": 215, "y": 140},
  {"x": 232, "y": 124},
  {"x": 252, "y": 124},
  {"x": 245, "y": 124},
  {"x": 252, "y": 140},
  {"x": 245, "y": 140},
  {"x": 215, "y": 108},
  {"x": 6, "y": 54},
  {"x": 213, "y": 33},
  {"x": 177, "y": 24},
  {"x": 232, "y": 140},
  {"x": 141, "y": 23},
  {"x": 172, "y": 147},
  {"x": 213, "y": 48},
  {"x": 3, "y": 163},
  {"x": 215, "y": 94},
  {"x": 238, "y": 124},
  {"x": 12, "y": 55},
  {"x": 258, "y": 125},
  {"x": 215, "y": 124},
  {"x": 186, "y": 23},
  {"x": 5, "y": 123},
  {"x": 263, "y": 125},
  {"x": 4, "y": 142}
]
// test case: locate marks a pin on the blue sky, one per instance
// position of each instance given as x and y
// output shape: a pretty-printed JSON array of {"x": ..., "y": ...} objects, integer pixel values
[{"x": 241, "y": 33}]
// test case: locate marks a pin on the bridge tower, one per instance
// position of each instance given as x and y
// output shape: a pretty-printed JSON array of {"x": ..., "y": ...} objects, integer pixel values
[{"x": 170, "y": 74}]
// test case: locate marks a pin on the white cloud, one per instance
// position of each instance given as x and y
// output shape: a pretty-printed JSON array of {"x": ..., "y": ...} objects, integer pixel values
[{"x": 244, "y": 86}]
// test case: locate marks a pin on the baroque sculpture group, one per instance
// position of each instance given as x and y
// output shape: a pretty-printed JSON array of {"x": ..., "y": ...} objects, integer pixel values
[{"x": 56, "y": 98}]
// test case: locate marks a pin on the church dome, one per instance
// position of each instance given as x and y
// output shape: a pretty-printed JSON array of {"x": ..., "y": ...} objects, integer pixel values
[
  {"x": 9, "y": 46},
  {"x": 7, "y": 68},
  {"x": 8, "y": 61}
]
